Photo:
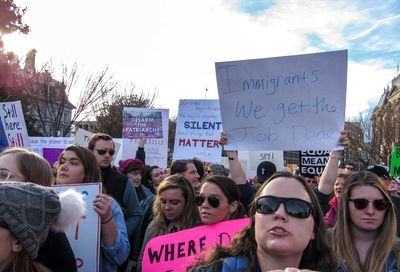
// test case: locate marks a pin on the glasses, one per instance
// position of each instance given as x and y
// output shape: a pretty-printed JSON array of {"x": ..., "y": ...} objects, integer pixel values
[
  {"x": 349, "y": 168},
  {"x": 5, "y": 174},
  {"x": 103, "y": 151},
  {"x": 310, "y": 180},
  {"x": 212, "y": 200},
  {"x": 379, "y": 204},
  {"x": 293, "y": 206}
]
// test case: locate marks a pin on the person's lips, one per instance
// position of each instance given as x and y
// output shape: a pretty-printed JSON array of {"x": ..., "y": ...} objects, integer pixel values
[{"x": 278, "y": 231}]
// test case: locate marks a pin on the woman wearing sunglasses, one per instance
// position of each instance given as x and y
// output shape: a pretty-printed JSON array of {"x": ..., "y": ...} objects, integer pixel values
[
  {"x": 219, "y": 200},
  {"x": 286, "y": 230},
  {"x": 173, "y": 210},
  {"x": 364, "y": 238}
]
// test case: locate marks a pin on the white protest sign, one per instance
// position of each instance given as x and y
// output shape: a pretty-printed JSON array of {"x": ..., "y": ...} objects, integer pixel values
[
  {"x": 82, "y": 137},
  {"x": 151, "y": 124},
  {"x": 38, "y": 143},
  {"x": 14, "y": 126},
  {"x": 283, "y": 103},
  {"x": 251, "y": 159},
  {"x": 84, "y": 238},
  {"x": 198, "y": 128}
]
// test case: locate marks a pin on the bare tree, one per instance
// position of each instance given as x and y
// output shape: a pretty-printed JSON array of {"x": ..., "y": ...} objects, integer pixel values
[{"x": 49, "y": 101}]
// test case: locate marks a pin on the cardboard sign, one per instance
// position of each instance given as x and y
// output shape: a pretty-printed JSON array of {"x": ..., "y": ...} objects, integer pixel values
[
  {"x": 175, "y": 251},
  {"x": 13, "y": 122},
  {"x": 283, "y": 103},
  {"x": 198, "y": 128},
  {"x": 84, "y": 238},
  {"x": 156, "y": 148},
  {"x": 395, "y": 163},
  {"x": 313, "y": 162}
]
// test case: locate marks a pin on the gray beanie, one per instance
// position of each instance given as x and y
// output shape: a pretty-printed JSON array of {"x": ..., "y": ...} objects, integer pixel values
[
  {"x": 219, "y": 169},
  {"x": 29, "y": 210}
]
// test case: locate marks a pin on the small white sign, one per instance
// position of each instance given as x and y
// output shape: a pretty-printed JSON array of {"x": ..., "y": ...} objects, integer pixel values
[
  {"x": 84, "y": 238},
  {"x": 14, "y": 126}
]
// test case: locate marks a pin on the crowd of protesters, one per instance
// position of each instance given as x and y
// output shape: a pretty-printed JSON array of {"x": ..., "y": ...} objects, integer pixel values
[{"x": 344, "y": 220}]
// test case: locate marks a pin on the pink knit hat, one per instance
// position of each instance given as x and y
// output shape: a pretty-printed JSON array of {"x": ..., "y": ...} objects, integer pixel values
[{"x": 124, "y": 164}]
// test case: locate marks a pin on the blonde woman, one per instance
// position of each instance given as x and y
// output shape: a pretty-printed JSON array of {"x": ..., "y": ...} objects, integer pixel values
[
  {"x": 174, "y": 209},
  {"x": 364, "y": 238}
]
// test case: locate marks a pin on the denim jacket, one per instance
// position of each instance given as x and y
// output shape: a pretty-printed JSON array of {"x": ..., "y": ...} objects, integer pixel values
[{"x": 116, "y": 254}]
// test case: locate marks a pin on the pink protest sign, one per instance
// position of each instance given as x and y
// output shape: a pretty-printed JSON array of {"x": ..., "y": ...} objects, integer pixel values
[{"x": 175, "y": 251}]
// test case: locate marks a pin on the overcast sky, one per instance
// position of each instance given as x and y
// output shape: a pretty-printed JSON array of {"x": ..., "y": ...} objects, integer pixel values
[{"x": 172, "y": 46}]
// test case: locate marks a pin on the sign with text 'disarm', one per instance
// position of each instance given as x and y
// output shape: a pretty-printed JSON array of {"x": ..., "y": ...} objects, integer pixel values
[
  {"x": 174, "y": 252},
  {"x": 198, "y": 127},
  {"x": 13, "y": 122},
  {"x": 151, "y": 124},
  {"x": 84, "y": 238},
  {"x": 283, "y": 103}
]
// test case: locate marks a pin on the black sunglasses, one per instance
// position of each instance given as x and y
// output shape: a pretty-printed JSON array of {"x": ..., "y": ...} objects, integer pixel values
[
  {"x": 102, "y": 151},
  {"x": 293, "y": 206},
  {"x": 212, "y": 200},
  {"x": 379, "y": 204}
]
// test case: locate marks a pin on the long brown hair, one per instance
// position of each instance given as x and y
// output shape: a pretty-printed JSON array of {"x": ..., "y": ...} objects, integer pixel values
[
  {"x": 343, "y": 243},
  {"x": 191, "y": 216},
  {"x": 23, "y": 263},
  {"x": 317, "y": 256},
  {"x": 34, "y": 168}
]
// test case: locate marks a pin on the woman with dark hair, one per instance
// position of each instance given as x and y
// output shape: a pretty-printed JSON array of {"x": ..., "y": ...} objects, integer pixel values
[
  {"x": 286, "y": 230},
  {"x": 187, "y": 169},
  {"x": 77, "y": 164},
  {"x": 153, "y": 176},
  {"x": 174, "y": 209},
  {"x": 219, "y": 200},
  {"x": 364, "y": 238},
  {"x": 134, "y": 169}
]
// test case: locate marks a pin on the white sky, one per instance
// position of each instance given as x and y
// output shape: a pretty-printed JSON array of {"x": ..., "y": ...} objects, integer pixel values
[{"x": 171, "y": 46}]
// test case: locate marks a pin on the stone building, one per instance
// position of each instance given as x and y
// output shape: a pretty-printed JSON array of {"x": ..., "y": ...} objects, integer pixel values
[{"x": 386, "y": 122}]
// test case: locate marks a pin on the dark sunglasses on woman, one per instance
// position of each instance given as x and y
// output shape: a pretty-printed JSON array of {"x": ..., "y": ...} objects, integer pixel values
[
  {"x": 293, "y": 206},
  {"x": 212, "y": 200},
  {"x": 379, "y": 204}
]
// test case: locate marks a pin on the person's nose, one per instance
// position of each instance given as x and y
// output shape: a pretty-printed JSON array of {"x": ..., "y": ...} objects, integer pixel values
[
  {"x": 280, "y": 213},
  {"x": 370, "y": 210},
  {"x": 64, "y": 166}
]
